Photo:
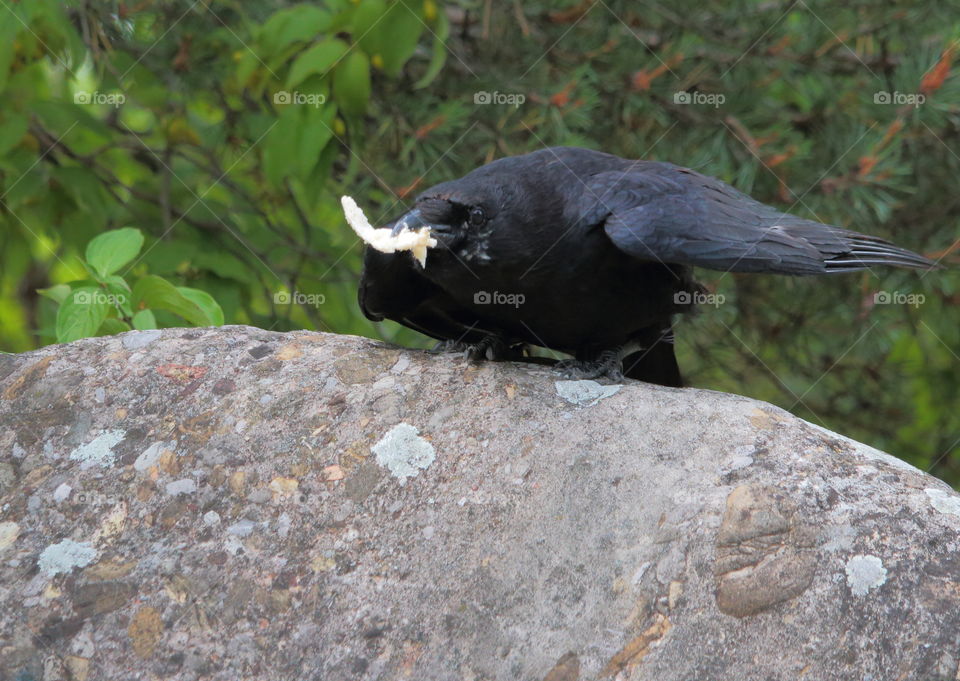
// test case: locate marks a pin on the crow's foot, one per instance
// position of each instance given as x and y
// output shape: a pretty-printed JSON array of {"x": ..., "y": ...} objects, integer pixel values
[
  {"x": 606, "y": 364},
  {"x": 489, "y": 347},
  {"x": 449, "y": 347}
]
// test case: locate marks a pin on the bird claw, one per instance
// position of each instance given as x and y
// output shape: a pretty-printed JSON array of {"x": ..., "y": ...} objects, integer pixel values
[
  {"x": 449, "y": 347},
  {"x": 607, "y": 365},
  {"x": 490, "y": 348}
]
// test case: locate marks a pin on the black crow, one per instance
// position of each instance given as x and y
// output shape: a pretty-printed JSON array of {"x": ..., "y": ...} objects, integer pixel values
[{"x": 590, "y": 254}]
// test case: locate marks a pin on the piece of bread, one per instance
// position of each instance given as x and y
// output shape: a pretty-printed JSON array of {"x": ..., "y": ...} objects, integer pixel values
[{"x": 382, "y": 239}]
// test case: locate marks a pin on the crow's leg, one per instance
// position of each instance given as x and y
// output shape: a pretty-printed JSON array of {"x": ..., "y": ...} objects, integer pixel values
[
  {"x": 607, "y": 363},
  {"x": 653, "y": 359},
  {"x": 491, "y": 347}
]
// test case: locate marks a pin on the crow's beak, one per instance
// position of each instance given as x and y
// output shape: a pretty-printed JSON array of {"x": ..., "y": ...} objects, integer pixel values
[{"x": 414, "y": 221}]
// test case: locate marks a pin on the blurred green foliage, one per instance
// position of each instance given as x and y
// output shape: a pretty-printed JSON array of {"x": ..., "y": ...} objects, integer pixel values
[
  {"x": 104, "y": 303},
  {"x": 222, "y": 131},
  {"x": 225, "y": 131}
]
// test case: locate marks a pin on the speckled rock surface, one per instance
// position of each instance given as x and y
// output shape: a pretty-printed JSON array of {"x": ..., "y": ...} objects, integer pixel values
[{"x": 238, "y": 504}]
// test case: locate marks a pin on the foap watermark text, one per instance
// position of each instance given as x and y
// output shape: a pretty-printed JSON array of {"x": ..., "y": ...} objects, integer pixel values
[
  {"x": 98, "y": 298},
  {"x": 898, "y": 298},
  {"x": 301, "y": 98},
  {"x": 914, "y": 99},
  {"x": 498, "y": 298},
  {"x": 113, "y": 99},
  {"x": 714, "y": 99},
  {"x": 698, "y": 298},
  {"x": 514, "y": 99},
  {"x": 298, "y": 298}
]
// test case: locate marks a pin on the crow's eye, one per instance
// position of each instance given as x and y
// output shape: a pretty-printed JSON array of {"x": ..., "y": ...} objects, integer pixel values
[{"x": 477, "y": 217}]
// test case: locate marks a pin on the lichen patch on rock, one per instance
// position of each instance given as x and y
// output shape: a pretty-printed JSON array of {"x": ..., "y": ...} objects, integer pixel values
[
  {"x": 865, "y": 573},
  {"x": 99, "y": 451},
  {"x": 63, "y": 556},
  {"x": 403, "y": 452},
  {"x": 943, "y": 501},
  {"x": 585, "y": 392}
]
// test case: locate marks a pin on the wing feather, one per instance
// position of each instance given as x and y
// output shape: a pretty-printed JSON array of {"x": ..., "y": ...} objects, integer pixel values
[{"x": 658, "y": 211}]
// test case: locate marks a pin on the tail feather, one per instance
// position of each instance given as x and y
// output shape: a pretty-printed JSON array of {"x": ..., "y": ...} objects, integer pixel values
[
  {"x": 842, "y": 250},
  {"x": 867, "y": 251}
]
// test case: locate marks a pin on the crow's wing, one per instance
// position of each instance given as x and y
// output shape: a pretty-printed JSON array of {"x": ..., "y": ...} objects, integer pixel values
[{"x": 662, "y": 212}]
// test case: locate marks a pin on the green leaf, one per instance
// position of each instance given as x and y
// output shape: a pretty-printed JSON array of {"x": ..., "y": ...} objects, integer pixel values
[
  {"x": 117, "y": 282},
  {"x": 112, "y": 250},
  {"x": 13, "y": 126},
  {"x": 144, "y": 320},
  {"x": 57, "y": 293},
  {"x": 9, "y": 28},
  {"x": 167, "y": 257},
  {"x": 205, "y": 302},
  {"x": 315, "y": 131},
  {"x": 159, "y": 294},
  {"x": 25, "y": 187},
  {"x": 280, "y": 147},
  {"x": 224, "y": 265},
  {"x": 81, "y": 314},
  {"x": 367, "y": 23},
  {"x": 85, "y": 188},
  {"x": 317, "y": 59},
  {"x": 247, "y": 65},
  {"x": 295, "y": 24},
  {"x": 62, "y": 117},
  {"x": 351, "y": 84},
  {"x": 400, "y": 31},
  {"x": 121, "y": 293},
  {"x": 93, "y": 274},
  {"x": 112, "y": 326},
  {"x": 439, "y": 56}
]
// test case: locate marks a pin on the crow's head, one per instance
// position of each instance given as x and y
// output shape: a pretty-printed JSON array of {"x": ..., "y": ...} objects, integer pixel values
[
  {"x": 489, "y": 211},
  {"x": 461, "y": 216}
]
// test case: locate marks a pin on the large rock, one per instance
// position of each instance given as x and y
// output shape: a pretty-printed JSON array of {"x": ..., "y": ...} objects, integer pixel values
[{"x": 237, "y": 504}]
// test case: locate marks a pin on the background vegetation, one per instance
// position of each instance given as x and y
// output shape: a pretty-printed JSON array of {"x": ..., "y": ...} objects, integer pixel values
[{"x": 224, "y": 131}]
